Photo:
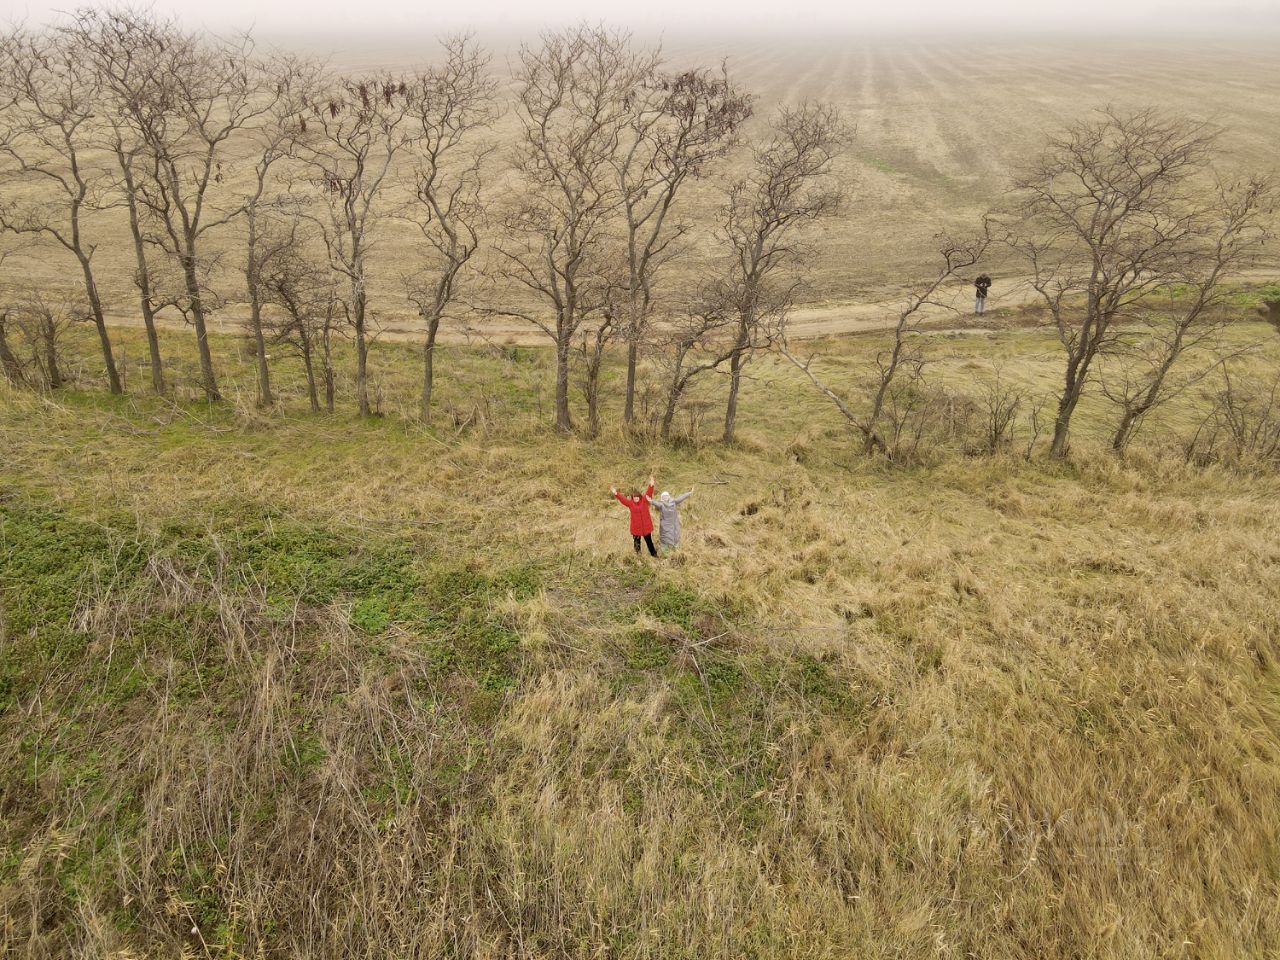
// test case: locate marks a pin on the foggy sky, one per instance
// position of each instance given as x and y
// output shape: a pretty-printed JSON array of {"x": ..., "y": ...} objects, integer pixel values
[{"x": 378, "y": 16}]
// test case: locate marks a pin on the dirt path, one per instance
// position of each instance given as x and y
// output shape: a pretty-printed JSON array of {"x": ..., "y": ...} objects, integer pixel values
[
  {"x": 836, "y": 319},
  {"x": 807, "y": 322},
  {"x": 818, "y": 320}
]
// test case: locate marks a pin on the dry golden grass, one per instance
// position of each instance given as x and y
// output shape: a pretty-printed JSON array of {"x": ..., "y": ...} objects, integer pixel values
[{"x": 283, "y": 685}]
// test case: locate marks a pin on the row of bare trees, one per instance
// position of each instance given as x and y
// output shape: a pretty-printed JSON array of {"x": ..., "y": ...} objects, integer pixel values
[
  {"x": 294, "y": 174},
  {"x": 217, "y": 151},
  {"x": 1129, "y": 235},
  {"x": 298, "y": 172},
  {"x": 205, "y": 134},
  {"x": 608, "y": 143}
]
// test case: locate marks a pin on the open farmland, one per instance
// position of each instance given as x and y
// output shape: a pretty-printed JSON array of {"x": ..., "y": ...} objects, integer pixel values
[{"x": 941, "y": 127}]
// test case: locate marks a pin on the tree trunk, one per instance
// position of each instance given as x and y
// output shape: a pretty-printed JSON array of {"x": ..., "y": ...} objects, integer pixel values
[
  {"x": 153, "y": 336},
  {"x": 362, "y": 371},
  {"x": 428, "y": 364},
  {"x": 731, "y": 408},
  {"x": 265, "y": 396},
  {"x": 593, "y": 398},
  {"x": 1134, "y": 413},
  {"x": 144, "y": 286},
  {"x": 1062, "y": 423},
  {"x": 99, "y": 321},
  {"x": 50, "y": 342},
  {"x": 1073, "y": 387},
  {"x": 327, "y": 359},
  {"x": 208, "y": 379},
  {"x": 633, "y": 356},
  {"x": 593, "y": 416},
  {"x": 8, "y": 361},
  {"x": 309, "y": 366},
  {"x": 362, "y": 350},
  {"x": 1124, "y": 430},
  {"x": 669, "y": 414},
  {"x": 735, "y": 375},
  {"x": 564, "y": 420}
]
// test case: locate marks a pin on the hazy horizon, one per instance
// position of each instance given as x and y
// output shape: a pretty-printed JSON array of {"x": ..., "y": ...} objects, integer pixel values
[{"x": 378, "y": 19}]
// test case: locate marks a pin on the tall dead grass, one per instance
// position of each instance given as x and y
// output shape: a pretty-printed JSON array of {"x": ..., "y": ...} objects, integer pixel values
[{"x": 974, "y": 707}]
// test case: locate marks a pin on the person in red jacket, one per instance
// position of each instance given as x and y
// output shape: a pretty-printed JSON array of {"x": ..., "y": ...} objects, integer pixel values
[{"x": 641, "y": 518}]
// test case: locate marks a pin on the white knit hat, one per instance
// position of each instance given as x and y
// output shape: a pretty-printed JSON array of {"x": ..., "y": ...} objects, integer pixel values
[{"x": 664, "y": 495}]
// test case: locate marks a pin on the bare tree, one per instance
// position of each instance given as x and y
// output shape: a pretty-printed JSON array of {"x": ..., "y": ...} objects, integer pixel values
[
  {"x": 43, "y": 318},
  {"x": 126, "y": 50},
  {"x": 904, "y": 352},
  {"x": 1107, "y": 224},
  {"x": 206, "y": 93},
  {"x": 450, "y": 104},
  {"x": 261, "y": 249},
  {"x": 700, "y": 340},
  {"x": 789, "y": 185},
  {"x": 349, "y": 138},
  {"x": 677, "y": 125},
  {"x": 596, "y": 335},
  {"x": 301, "y": 285},
  {"x": 48, "y": 141},
  {"x": 572, "y": 101},
  {"x": 293, "y": 82},
  {"x": 9, "y": 361},
  {"x": 1229, "y": 239}
]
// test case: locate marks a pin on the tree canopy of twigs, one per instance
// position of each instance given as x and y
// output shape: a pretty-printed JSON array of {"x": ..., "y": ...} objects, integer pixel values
[
  {"x": 574, "y": 92},
  {"x": 1114, "y": 213},
  {"x": 789, "y": 185}
]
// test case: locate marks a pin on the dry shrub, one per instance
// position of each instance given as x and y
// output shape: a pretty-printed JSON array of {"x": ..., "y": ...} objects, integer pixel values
[
  {"x": 1241, "y": 425},
  {"x": 1004, "y": 415},
  {"x": 920, "y": 420},
  {"x": 998, "y": 405}
]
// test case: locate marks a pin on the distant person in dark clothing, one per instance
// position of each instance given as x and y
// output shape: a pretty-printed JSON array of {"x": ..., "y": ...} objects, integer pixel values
[{"x": 980, "y": 288}]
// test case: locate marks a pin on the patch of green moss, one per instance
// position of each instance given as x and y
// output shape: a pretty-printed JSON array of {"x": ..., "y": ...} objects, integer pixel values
[
  {"x": 46, "y": 557},
  {"x": 646, "y": 650},
  {"x": 674, "y": 604}
]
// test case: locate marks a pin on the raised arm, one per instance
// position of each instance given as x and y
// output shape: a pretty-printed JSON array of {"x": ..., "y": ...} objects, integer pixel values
[
  {"x": 683, "y": 497},
  {"x": 613, "y": 492}
]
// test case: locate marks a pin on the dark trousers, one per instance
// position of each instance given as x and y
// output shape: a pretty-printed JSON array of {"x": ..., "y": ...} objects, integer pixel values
[{"x": 648, "y": 538}]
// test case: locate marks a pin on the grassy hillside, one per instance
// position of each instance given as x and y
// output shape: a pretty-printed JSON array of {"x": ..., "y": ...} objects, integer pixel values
[{"x": 281, "y": 685}]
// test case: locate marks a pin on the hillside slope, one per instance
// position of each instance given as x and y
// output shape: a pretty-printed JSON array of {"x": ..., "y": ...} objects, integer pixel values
[{"x": 291, "y": 686}]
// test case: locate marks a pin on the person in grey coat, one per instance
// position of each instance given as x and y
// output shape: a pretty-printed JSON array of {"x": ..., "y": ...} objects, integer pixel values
[{"x": 669, "y": 517}]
